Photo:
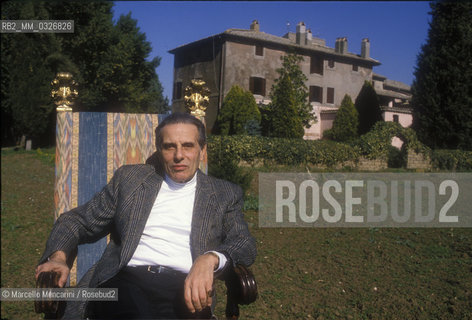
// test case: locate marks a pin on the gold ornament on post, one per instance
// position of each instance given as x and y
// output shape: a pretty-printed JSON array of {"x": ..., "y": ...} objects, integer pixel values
[
  {"x": 64, "y": 91},
  {"x": 197, "y": 98}
]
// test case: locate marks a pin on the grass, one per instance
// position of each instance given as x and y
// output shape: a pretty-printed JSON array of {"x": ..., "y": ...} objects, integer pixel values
[
  {"x": 302, "y": 273},
  {"x": 27, "y": 215}
]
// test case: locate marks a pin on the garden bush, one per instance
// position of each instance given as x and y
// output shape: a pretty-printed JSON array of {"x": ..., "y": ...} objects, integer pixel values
[
  {"x": 345, "y": 124},
  {"x": 396, "y": 158},
  {"x": 283, "y": 151},
  {"x": 222, "y": 164},
  {"x": 377, "y": 142},
  {"x": 451, "y": 159},
  {"x": 239, "y": 113}
]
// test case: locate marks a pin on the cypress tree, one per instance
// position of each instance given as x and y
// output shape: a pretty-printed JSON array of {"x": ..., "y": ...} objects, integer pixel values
[
  {"x": 238, "y": 113},
  {"x": 346, "y": 123},
  {"x": 284, "y": 120},
  {"x": 442, "y": 89},
  {"x": 291, "y": 67},
  {"x": 368, "y": 108}
]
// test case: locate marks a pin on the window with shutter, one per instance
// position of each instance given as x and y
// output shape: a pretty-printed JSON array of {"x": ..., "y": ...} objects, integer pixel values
[
  {"x": 259, "y": 50},
  {"x": 316, "y": 65},
  {"x": 316, "y": 94},
  {"x": 257, "y": 85},
  {"x": 330, "y": 96}
]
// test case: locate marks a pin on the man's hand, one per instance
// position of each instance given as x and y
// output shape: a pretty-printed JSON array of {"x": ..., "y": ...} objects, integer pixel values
[
  {"x": 199, "y": 282},
  {"x": 57, "y": 263}
]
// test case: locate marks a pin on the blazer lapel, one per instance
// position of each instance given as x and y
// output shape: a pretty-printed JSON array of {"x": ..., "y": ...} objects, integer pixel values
[{"x": 201, "y": 213}]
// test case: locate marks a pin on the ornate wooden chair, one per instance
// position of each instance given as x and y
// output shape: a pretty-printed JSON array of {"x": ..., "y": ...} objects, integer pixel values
[{"x": 89, "y": 148}]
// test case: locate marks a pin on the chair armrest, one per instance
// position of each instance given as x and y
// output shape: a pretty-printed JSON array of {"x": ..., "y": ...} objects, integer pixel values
[
  {"x": 52, "y": 309},
  {"x": 241, "y": 289},
  {"x": 244, "y": 284}
]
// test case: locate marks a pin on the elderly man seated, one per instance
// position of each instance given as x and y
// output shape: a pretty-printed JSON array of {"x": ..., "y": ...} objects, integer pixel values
[{"x": 172, "y": 229}]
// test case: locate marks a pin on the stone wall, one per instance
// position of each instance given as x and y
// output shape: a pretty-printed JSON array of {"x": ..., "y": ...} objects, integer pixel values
[
  {"x": 365, "y": 164},
  {"x": 418, "y": 161},
  {"x": 414, "y": 161}
]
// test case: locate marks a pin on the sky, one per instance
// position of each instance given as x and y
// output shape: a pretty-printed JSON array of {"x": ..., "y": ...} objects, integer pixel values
[{"x": 396, "y": 30}]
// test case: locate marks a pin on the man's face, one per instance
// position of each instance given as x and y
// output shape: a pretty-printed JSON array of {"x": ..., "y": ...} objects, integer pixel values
[{"x": 180, "y": 151}]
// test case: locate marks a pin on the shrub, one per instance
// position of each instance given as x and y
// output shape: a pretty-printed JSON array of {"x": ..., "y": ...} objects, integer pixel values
[
  {"x": 48, "y": 156},
  {"x": 222, "y": 164},
  {"x": 396, "y": 158},
  {"x": 283, "y": 151},
  {"x": 291, "y": 68},
  {"x": 253, "y": 127},
  {"x": 368, "y": 108},
  {"x": 346, "y": 122},
  {"x": 376, "y": 143},
  {"x": 451, "y": 159},
  {"x": 239, "y": 113},
  {"x": 283, "y": 119},
  {"x": 225, "y": 152}
]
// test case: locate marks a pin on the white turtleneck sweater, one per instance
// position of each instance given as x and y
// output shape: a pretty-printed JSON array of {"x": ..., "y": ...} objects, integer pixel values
[{"x": 166, "y": 237}]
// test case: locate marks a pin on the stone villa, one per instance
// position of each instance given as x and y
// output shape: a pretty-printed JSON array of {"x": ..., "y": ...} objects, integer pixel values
[{"x": 249, "y": 58}]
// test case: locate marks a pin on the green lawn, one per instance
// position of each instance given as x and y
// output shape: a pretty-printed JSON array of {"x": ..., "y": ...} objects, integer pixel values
[
  {"x": 27, "y": 216},
  {"x": 301, "y": 273}
]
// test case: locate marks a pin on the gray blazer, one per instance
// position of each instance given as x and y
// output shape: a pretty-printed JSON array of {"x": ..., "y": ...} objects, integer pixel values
[{"x": 122, "y": 208}]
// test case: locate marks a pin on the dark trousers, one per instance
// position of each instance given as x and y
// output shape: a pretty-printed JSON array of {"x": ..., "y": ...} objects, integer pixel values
[{"x": 145, "y": 293}]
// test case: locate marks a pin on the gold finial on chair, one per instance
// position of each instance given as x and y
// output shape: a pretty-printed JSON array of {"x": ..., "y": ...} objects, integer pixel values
[
  {"x": 64, "y": 91},
  {"x": 197, "y": 97}
]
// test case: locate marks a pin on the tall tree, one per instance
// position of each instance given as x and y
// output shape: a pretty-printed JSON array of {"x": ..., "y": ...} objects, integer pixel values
[
  {"x": 238, "y": 110},
  {"x": 442, "y": 89},
  {"x": 283, "y": 117},
  {"x": 26, "y": 103},
  {"x": 110, "y": 61},
  {"x": 291, "y": 67},
  {"x": 88, "y": 47},
  {"x": 114, "y": 71},
  {"x": 346, "y": 123},
  {"x": 368, "y": 107}
]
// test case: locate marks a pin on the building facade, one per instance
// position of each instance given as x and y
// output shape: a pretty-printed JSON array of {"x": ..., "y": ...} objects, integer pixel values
[{"x": 250, "y": 58}]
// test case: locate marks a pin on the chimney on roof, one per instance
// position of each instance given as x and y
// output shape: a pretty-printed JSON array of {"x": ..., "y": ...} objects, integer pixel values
[
  {"x": 255, "y": 26},
  {"x": 341, "y": 45},
  {"x": 309, "y": 37},
  {"x": 365, "y": 48},
  {"x": 301, "y": 30}
]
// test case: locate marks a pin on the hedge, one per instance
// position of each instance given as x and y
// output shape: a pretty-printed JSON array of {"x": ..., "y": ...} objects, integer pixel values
[
  {"x": 283, "y": 151},
  {"x": 375, "y": 144},
  {"x": 451, "y": 159}
]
